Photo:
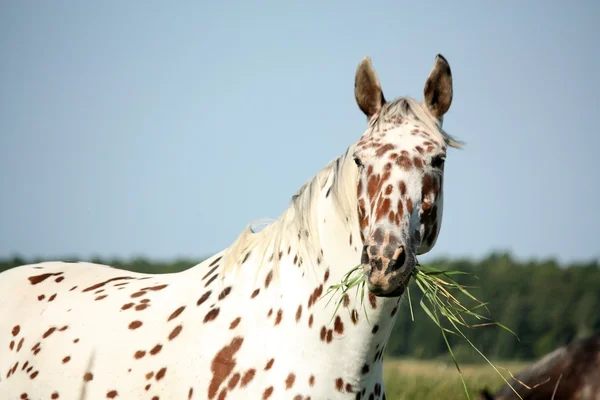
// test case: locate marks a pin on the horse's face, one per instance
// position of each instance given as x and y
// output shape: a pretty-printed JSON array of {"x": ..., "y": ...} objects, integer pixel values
[{"x": 400, "y": 170}]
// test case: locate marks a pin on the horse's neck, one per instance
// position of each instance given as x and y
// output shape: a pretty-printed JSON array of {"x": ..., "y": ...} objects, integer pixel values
[
  {"x": 284, "y": 276},
  {"x": 369, "y": 323}
]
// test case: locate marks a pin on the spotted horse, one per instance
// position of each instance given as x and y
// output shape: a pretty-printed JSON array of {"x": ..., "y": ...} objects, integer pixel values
[
  {"x": 570, "y": 372},
  {"x": 252, "y": 321}
]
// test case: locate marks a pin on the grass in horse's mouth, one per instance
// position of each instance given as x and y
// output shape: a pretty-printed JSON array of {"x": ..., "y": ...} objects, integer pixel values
[{"x": 437, "y": 301}]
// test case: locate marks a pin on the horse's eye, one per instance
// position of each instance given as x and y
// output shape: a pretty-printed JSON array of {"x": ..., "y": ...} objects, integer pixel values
[
  {"x": 438, "y": 161},
  {"x": 358, "y": 162}
]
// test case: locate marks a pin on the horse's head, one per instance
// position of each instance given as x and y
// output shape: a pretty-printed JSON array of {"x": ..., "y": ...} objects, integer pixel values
[{"x": 400, "y": 161}]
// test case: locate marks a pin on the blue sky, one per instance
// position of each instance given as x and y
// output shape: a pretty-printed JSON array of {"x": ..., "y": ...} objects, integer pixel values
[{"x": 162, "y": 129}]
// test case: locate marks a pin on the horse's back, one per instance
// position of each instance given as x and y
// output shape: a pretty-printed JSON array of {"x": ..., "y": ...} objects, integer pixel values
[{"x": 80, "y": 323}]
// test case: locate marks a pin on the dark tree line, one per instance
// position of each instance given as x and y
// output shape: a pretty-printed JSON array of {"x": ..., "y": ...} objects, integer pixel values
[{"x": 547, "y": 305}]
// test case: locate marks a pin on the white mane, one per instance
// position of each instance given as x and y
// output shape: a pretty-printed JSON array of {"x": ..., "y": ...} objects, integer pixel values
[{"x": 297, "y": 226}]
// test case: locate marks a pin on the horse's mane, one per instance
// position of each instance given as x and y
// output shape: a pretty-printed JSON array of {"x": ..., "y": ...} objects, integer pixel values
[{"x": 297, "y": 225}]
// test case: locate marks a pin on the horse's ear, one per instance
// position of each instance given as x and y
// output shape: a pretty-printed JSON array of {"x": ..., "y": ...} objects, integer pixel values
[
  {"x": 367, "y": 88},
  {"x": 438, "y": 88},
  {"x": 485, "y": 394}
]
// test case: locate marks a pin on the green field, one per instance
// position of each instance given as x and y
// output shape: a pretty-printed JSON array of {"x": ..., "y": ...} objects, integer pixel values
[{"x": 416, "y": 380}]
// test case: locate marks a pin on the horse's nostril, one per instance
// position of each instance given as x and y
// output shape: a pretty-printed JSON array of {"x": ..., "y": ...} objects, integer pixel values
[
  {"x": 399, "y": 257},
  {"x": 364, "y": 259}
]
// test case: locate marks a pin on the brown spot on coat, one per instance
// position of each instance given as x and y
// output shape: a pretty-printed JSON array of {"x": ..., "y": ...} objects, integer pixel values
[
  {"x": 210, "y": 272},
  {"x": 223, "y": 364},
  {"x": 224, "y": 293},
  {"x": 161, "y": 373},
  {"x": 41, "y": 278},
  {"x": 268, "y": 392},
  {"x": 255, "y": 293},
  {"x": 175, "y": 332},
  {"x": 234, "y": 323},
  {"x": 88, "y": 377},
  {"x": 278, "y": 317},
  {"x": 248, "y": 376},
  {"x": 211, "y": 315},
  {"x": 48, "y": 332},
  {"x": 176, "y": 313},
  {"x": 156, "y": 349},
  {"x": 233, "y": 381},
  {"x": 346, "y": 300},
  {"x": 372, "y": 300},
  {"x": 383, "y": 210},
  {"x": 203, "y": 298},
  {"x": 289, "y": 381},
  {"x": 269, "y": 364},
  {"x": 338, "y": 325},
  {"x": 339, "y": 384},
  {"x": 210, "y": 280},
  {"x": 99, "y": 285},
  {"x": 427, "y": 185},
  {"x": 155, "y": 288},
  {"x": 418, "y": 162},
  {"x": 268, "y": 279},
  {"x": 409, "y": 206},
  {"x": 404, "y": 162},
  {"x": 298, "y": 313},
  {"x": 135, "y": 324},
  {"x": 112, "y": 394}
]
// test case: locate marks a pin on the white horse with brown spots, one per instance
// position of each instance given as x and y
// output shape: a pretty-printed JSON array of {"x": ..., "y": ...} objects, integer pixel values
[{"x": 249, "y": 322}]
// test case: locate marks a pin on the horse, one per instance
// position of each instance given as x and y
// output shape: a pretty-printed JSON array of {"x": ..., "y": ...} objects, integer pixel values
[
  {"x": 570, "y": 372},
  {"x": 251, "y": 321}
]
